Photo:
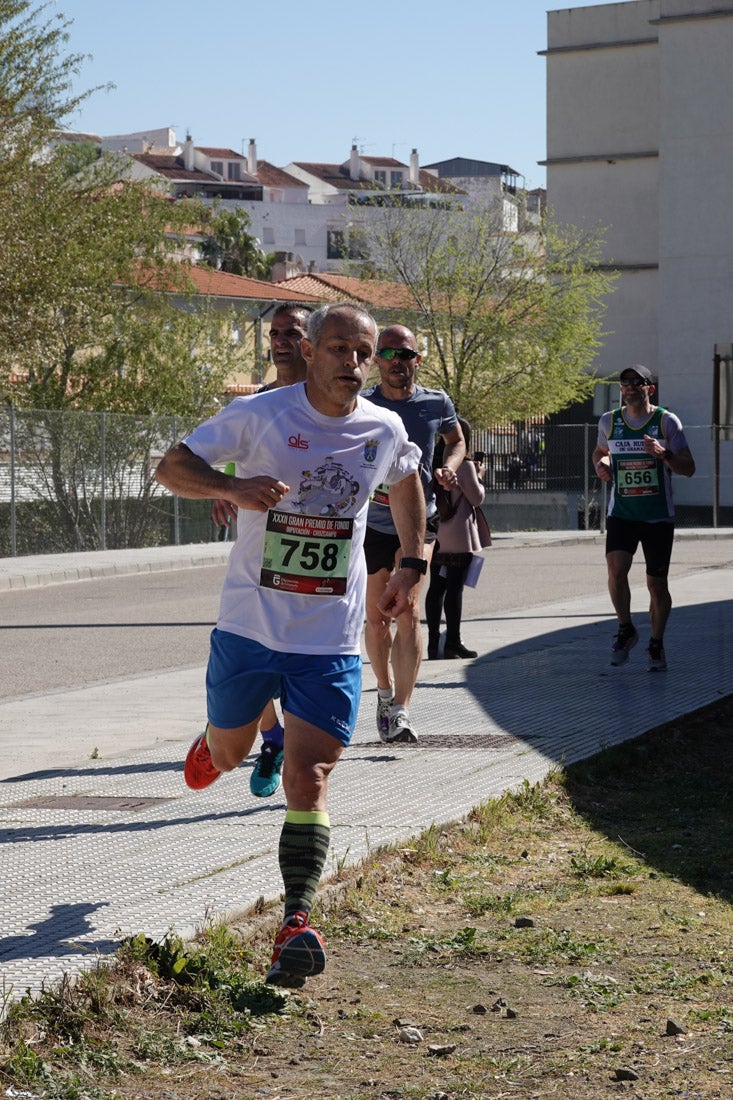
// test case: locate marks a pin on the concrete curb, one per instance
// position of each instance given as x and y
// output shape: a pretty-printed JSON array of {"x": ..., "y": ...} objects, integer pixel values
[{"x": 42, "y": 569}]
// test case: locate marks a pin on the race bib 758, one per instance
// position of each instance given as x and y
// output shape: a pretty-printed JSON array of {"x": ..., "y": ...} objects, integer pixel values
[{"x": 308, "y": 555}]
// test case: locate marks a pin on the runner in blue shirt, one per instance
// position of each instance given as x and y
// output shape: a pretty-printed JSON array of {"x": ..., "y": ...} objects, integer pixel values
[{"x": 426, "y": 415}]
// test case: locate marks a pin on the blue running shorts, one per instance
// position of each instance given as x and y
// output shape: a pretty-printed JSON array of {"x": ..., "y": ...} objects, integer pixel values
[{"x": 243, "y": 675}]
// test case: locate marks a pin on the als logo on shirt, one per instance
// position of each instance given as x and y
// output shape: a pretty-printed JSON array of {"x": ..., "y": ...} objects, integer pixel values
[{"x": 370, "y": 450}]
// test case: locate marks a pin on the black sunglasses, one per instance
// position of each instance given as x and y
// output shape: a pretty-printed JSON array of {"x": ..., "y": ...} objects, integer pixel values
[
  {"x": 405, "y": 354},
  {"x": 635, "y": 382}
]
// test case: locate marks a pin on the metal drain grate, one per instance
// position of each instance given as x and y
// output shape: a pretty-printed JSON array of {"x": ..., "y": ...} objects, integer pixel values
[
  {"x": 87, "y": 802},
  {"x": 455, "y": 741}
]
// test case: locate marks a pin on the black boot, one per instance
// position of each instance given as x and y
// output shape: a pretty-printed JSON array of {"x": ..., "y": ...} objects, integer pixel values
[
  {"x": 457, "y": 649},
  {"x": 433, "y": 643}
]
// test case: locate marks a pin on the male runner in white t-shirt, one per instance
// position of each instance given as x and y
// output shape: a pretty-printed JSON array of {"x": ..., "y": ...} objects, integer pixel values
[{"x": 292, "y": 606}]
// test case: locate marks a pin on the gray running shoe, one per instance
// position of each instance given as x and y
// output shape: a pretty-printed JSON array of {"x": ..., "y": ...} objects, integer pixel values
[
  {"x": 657, "y": 658},
  {"x": 383, "y": 708},
  {"x": 623, "y": 643},
  {"x": 400, "y": 729}
]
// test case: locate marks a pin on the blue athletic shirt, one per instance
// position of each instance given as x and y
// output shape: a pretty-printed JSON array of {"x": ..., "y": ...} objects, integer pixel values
[{"x": 426, "y": 414}]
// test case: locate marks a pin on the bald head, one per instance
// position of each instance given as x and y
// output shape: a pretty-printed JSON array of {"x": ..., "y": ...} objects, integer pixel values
[{"x": 397, "y": 336}]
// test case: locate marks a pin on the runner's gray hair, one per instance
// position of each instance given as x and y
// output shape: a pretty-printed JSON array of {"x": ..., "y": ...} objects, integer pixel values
[{"x": 317, "y": 320}]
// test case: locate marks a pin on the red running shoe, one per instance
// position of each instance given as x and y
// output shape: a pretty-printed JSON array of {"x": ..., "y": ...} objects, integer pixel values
[
  {"x": 198, "y": 771},
  {"x": 299, "y": 953}
]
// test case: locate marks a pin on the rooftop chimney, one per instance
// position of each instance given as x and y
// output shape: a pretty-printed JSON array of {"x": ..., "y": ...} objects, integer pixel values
[
  {"x": 189, "y": 161},
  {"x": 414, "y": 167},
  {"x": 354, "y": 163},
  {"x": 252, "y": 157}
]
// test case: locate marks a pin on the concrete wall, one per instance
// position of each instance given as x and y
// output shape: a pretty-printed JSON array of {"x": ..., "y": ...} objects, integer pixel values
[{"x": 640, "y": 141}]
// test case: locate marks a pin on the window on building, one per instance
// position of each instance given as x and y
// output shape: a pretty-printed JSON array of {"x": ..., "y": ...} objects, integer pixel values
[
  {"x": 233, "y": 170},
  {"x": 268, "y": 235},
  {"x": 335, "y": 244},
  {"x": 343, "y": 245},
  {"x": 217, "y": 166},
  {"x": 395, "y": 179},
  {"x": 300, "y": 236},
  {"x": 380, "y": 177}
]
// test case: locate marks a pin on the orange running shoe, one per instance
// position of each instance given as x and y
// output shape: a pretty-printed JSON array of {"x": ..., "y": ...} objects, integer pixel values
[
  {"x": 299, "y": 953},
  {"x": 198, "y": 771}
]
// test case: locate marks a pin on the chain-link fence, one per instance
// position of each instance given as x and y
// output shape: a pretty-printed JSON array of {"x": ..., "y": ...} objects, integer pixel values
[{"x": 85, "y": 481}]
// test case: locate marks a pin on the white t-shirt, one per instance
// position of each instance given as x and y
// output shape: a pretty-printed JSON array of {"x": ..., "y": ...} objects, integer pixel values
[{"x": 296, "y": 577}]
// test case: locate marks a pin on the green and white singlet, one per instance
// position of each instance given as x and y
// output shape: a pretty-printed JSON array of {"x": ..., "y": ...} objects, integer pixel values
[{"x": 642, "y": 489}]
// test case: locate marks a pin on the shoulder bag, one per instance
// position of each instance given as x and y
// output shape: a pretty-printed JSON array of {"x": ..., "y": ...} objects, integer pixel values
[{"x": 484, "y": 531}]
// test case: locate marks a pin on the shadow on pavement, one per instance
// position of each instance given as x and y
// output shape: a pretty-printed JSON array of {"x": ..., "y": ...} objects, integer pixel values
[
  {"x": 665, "y": 795},
  {"x": 53, "y": 937},
  {"x": 24, "y": 833}
]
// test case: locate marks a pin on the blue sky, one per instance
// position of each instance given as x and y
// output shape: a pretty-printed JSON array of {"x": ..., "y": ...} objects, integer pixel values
[{"x": 305, "y": 80}]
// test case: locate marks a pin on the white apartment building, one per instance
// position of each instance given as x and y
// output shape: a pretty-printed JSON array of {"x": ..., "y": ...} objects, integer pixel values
[
  {"x": 640, "y": 141},
  {"x": 308, "y": 213},
  {"x": 485, "y": 183}
]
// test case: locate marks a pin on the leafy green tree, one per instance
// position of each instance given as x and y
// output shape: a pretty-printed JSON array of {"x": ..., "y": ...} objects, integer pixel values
[
  {"x": 90, "y": 280},
  {"x": 513, "y": 320},
  {"x": 97, "y": 316},
  {"x": 91, "y": 320},
  {"x": 36, "y": 78},
  {"x": 230, "y": 246}
]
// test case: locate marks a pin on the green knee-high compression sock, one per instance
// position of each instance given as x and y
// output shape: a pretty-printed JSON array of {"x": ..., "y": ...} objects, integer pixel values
[{"x": 303, "y": 849}]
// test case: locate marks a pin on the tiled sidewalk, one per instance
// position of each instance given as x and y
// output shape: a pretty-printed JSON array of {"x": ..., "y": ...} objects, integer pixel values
[{"x": 111, "y": 847}]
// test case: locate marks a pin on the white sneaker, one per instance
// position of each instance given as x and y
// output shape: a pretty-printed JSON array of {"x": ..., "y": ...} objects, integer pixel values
[{"x": 400, "y": 728}]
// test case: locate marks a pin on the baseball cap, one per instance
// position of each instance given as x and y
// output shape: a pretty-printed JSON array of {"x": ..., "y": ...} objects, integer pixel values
[{"x": 639, "y": 372}]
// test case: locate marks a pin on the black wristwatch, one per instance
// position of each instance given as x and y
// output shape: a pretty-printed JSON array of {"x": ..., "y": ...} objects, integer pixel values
[{"x": 420, "y": 564}]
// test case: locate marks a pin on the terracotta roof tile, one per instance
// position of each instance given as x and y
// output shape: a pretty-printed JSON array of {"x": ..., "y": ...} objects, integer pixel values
[
  {"x": 220, "y": 154},
  {"x": 172, "y": 167},
  {"x": 384, "y": 162},
  {"x": 220, "y": 284},
  {"x": 334, "y": 288},
  {"x": 335, "y": 175},
  {"x": 432, "y": 183},
  {"x": 270, "y": 176}
]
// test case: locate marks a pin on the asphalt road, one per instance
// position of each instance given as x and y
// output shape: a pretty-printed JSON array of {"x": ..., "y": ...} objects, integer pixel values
[{"x": 96, "y": 631}]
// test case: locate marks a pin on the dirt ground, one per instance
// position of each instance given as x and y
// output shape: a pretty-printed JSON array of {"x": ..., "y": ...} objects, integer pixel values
[{"x": 572, "y": 940}]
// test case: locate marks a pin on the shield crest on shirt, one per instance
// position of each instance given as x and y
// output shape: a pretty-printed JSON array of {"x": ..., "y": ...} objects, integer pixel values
[{"x": 370, "y": 450}]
